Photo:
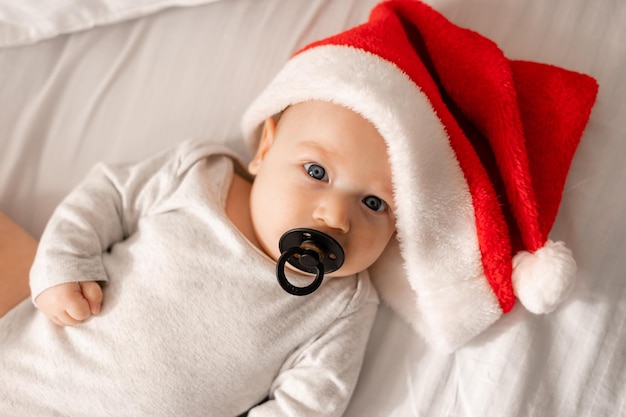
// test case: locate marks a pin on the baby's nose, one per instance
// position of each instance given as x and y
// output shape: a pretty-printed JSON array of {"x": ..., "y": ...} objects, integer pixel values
[{"x": 334, "y": 212}]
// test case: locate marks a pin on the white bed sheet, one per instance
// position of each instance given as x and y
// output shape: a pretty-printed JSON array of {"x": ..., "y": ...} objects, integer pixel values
[
  {"x": 123, "y": 91},
  {"x": 28, "y": 21}
]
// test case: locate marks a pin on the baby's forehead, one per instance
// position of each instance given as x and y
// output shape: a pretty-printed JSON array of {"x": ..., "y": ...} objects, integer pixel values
[{"x": 328, "y": 117}]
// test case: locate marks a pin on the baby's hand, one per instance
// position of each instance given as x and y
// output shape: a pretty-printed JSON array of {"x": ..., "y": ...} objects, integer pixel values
[{"x": 70, "y": 303}]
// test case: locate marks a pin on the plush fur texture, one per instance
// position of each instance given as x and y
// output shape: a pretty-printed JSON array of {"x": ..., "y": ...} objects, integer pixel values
[
  {"x": 544, "y": 278},
  {"x": 479, "y": 147}
]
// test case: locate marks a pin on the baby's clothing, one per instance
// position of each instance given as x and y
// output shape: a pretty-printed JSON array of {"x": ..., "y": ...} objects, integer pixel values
[{"x": 193, "y": 321}]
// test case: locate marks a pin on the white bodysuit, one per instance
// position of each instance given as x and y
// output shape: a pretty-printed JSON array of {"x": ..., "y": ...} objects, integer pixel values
[{"x": 193, "y": 323}]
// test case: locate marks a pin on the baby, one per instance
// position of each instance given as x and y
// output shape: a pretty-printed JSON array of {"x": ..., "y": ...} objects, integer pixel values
[{"x": 406, "y": 126}]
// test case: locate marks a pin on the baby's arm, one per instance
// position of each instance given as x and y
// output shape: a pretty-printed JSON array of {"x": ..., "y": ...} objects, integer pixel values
[
  {"x": 318, "y": 380},
  {"x": 70, "y": 303},
  {"x": 104, "y": 209},
  {"x": 82, "y": 228}
]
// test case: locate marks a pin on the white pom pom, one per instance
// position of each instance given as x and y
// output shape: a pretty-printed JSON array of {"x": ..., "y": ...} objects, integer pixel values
[{"x": 543, "y": 279}]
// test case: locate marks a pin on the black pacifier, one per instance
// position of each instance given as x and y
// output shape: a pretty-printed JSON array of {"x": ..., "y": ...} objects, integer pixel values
[{"x": 310, "y": 251}]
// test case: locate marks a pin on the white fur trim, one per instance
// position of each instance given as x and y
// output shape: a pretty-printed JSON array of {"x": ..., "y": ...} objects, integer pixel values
[
  {"x": 435, "y": 221},
  {"x": 544, "y": 278}
]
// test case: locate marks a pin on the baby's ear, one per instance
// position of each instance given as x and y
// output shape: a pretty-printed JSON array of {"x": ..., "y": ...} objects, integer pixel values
[{"x": 265, "y": 143}]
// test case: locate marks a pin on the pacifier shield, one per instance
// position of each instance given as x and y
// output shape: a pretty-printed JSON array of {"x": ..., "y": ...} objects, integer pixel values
[
  {"x": 310, "y": 251},
  {"x": 329, "y": 250}
]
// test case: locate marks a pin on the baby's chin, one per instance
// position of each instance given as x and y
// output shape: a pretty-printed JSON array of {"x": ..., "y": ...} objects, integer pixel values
[{"x": 341, "y": 274}]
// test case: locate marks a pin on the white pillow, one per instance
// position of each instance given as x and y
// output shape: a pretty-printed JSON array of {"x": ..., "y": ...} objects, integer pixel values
[{"x": 28, "y": 21}]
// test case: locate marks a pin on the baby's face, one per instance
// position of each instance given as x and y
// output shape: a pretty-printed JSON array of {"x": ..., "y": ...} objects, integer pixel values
[{"x": 324, "y": 167}]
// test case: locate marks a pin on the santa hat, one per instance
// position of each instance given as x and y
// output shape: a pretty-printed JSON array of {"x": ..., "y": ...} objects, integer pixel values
[{"x": 479, "y": 145}]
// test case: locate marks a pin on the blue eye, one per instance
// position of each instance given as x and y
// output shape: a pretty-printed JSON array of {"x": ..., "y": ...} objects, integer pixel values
[
  {"x": 374, "y": 203},
  {"x": 316, "y": 171}
]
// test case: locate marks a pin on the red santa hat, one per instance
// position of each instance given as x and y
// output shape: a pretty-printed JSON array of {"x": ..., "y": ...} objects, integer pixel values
[{"x": 479, "y": 145}]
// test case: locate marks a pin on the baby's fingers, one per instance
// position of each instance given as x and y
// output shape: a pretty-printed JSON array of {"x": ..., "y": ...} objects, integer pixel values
[
  {"x": 93, "y": 294},
  {"x": 77, "y": 308},
  {"x": 66, "y": 304}
]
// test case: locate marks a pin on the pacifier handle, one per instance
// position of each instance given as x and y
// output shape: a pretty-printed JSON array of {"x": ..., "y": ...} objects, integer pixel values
[
  {"x": 288, "y": 286},
  {"x": 310, "y": 251}
]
